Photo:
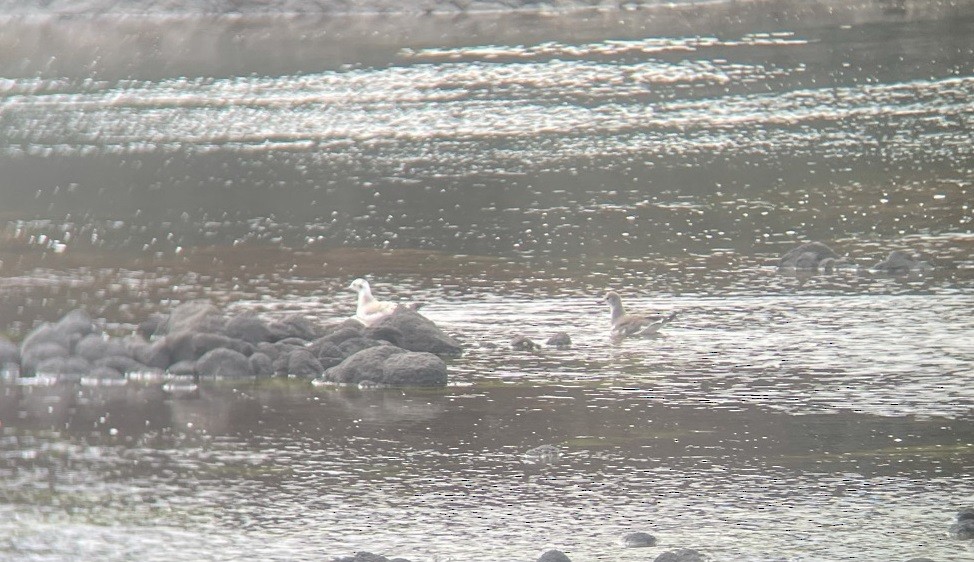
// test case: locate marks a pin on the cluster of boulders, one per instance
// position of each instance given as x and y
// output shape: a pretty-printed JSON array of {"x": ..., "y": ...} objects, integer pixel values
[
  {"x": 812, "y": 256},
  {"x": 641, "y": 540},
  {"x": 197, "y": 338}
]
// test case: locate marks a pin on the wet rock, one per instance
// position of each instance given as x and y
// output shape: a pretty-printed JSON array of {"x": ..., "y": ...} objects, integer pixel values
[
  {"x": 249, "y": 327},
  {"x": 150, "y": 325},
  {"x": 9, "y": 352},
  {"x": 962, "y": 530},
  {"x": 325, "y": 351},
  {"x": 65, "y": 333},
  {"x": 36, "y": 353},
  {"x": 105, "y": 373},
  {"x": 77, "y": 323},
  {"x": 345, "y": 331},
  {"x": 366, "y": 365},
  {"x": 681, "y": 555},
  {"x": 193, "y": 316},
  {"x": 292, "y": 326},
  {"x": 303, "y": 363},
  {"x": 64, "y": 367},
  {"x": 965, "y": 513},
  {"x": 352, "y": 346},
  {"x": 224, "y": 363},
  {"x": 919, "y": 560},
  {"x": 419, "y": 333},
  {"x": 524, "y": 343},
  {"x": 899, "y": 262},
  {"x": 156, "y": 355},
  {"x": 203, "y": 343},
  {"x": 560, "y": 340},
  {"x": 414, "y": 369},
  {"x": 638, "y": 540},
  {"x": 384, "y": 333},
  {"x": 182, "y": 369},
  {"x": 368, "y": 557},
  {"x": 96, "y": 346},
  {"x": 296, "y": 342},
  {"x": 179, "y": 346},
  {"x": 262, "y": 364},
  {"x": 806, "y": 256},
  {"x": 120, "y": 363},
  {"x": 554, "y": 556}
]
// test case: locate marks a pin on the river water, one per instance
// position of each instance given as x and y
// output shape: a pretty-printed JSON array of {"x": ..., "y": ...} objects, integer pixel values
[{"x": 507, "y": 171}]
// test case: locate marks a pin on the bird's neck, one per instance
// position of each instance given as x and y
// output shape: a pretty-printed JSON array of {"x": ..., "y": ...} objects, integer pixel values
[
  {"x": 618, "y": 312},
  {"x": 365, "y": 298}
]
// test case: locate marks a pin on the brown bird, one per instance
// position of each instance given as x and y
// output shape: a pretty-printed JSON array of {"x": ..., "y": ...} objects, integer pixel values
[{"x": 626, "y": 325}]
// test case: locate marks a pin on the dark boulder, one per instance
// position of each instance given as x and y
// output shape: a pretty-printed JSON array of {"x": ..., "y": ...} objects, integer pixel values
[
  {"x": 32, "y": 355},
  {"x": 681, "y": 555},
  {"x": 302, "y": 363},
  {"x": 366, "y": 365},
  {"x": 182, "y": 369},
  {"x": 638, "y": 540},
  {"x": 76, "y": 323},
  {"x": 366, "y": 557},
  {"x": 96, "y": 346},
  {"x": 419, "y": 333},
  {"x": 560, "y": 340},
  {"x": 352, "y": 346},
  {"x": 249, "y": 327},
  {"x": 965, "y": 513},
  {"x": 105, "y": 373},
  {"x": 554, "y": 556},
  {"x": 344, "y": 331},
  {"x": 325, "y": 350},
  {"x": 414, "y": 368},
  {"x": 900, "y": 262},
  {"x": 224, "y": 363},
  {"x": 157, "y": 354},
  {"x": 150, "y": 325},
  {"x": 121, "y": 363},
  {"x": 292, "y": 326},
  {"x": 207, "y": 342},
  {"x": 524, "y": 343},
  {"x": 806, "y": 256},
  {"x": 64, "y": 367},
  {"x": 262, "y": 364},
  {"x": 193, "y": 316}
]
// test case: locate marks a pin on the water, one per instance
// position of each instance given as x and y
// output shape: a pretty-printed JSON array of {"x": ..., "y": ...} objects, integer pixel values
[{"x": 506, "y": 172}]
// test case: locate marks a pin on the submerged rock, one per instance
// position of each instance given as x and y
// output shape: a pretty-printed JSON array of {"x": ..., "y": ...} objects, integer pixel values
[
  {"x": 962, "y": 530},
  {"x": 900, "y": 262},
  {"x": 807, "y": 256},
  {"x": 554, "y": 556},
  {"x": 524, "y": 343},
  {"x": 965, "y": 513},
  {"x": 559, "y": 340},
  {"x": 368, "y": 557},
  {"x": 638, "y": 540},
  {"x": 681, "y": 555}
]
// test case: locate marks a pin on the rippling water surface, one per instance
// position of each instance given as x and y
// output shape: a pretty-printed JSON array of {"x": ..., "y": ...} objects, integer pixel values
[{"x": 507, "y": 181}]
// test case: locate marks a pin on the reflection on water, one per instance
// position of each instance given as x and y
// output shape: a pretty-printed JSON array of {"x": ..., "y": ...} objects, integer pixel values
[{"x": 507, "y": 180}]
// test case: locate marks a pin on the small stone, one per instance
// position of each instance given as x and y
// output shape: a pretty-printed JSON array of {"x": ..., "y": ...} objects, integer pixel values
[
  {"x": 524, "y": 343},
  {"x": 560, "y": 340},
  {"x": 638, "y": 540},
  {"x": 554, "y": 556},
  {"x": 681, "y": 555}
]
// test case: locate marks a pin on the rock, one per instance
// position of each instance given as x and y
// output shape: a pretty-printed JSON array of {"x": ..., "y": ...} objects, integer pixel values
[
  {"x": 325, "y": 348},
  {"x": 75, "y": 323},
  {"x": 919, "y": 560},
  {"x": 206, "y": 342},
  {"x": 363, "y": 557},
  {"x": 681, "y": 555},
  {"x": 105, "y": 373},
  {"x": 543, "y": 454},
  {"x": 31, "y": 356},
  {"x": 96, "y": 346},
  {"x": 64, "y": 367},
  {"x": 352, "y": 346},
  {"x": 193, "y": 316},
  {"x": 414, "y": 368},
  {"x": 965, "y": 513},
  {"x": 249, "y": 327},
  {"x": 120, "y": 363},
  {"x": 899, "y": 262},
  {"x": 554, "y": 556},
  {"x": 524, "y": 343},
  {"x": 9, "y": 352},
  {"x": 963, "y": 530},
  {"x": 806, "y": 256},
  {"x": 560, "y": 340},
  {"x": 366, "y": 365},
  {"x": 345, "y": 331},
  {"x": 156, "y": 354},
  {"x": 638, "y": 540},
  {"x": 150, "y": 325},
  {"x": 384, "y": 333},
  {"x": 303, "y": 363},
  {"x": 179, "y": 346},
  {"x": 182, "y": 369},
  {"x": 262, "y": 364},
  {"x": 292, "y": 326},
  {"x": 224, "y": 363},
  {"x": 419, "y": 333}
]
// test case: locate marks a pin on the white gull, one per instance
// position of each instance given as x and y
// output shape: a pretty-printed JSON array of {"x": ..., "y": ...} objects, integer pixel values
[{"x": 370, "y": 310}]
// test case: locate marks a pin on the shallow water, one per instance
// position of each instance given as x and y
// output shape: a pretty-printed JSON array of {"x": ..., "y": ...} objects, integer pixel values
[{"x": 507, "y": 180}]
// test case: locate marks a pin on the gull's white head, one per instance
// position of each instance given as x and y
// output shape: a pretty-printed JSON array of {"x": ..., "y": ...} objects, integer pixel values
[{"x": 360, "y": 286}]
